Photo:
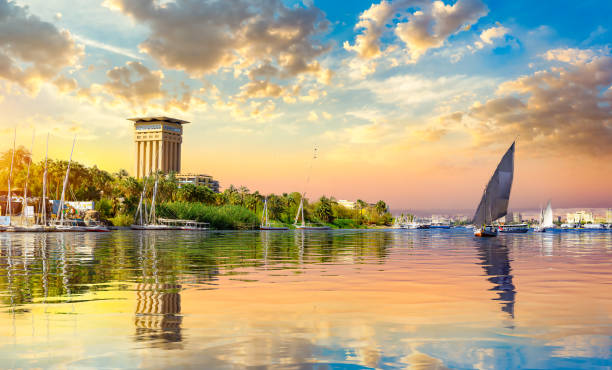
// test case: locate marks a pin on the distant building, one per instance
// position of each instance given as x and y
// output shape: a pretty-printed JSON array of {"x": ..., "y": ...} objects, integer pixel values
[
  {"x": 158, "y": 145},
  {"x": 347, "y": 204},
  {"x": 580, "y": 216},
  {"x": 518, "y": 218},
  {"x": 509, "y": 217},
  {"x": 609, "y": 216},
  {"x": 201, "y": 180}
]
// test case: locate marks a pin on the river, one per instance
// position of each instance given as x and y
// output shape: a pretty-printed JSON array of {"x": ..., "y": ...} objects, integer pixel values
[{"x": 336, "y": 299}]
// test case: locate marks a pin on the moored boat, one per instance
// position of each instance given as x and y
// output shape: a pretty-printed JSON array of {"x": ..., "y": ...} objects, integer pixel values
[
  {"x": 514, "y": 229},
  {"x": 265, "y": 221}
]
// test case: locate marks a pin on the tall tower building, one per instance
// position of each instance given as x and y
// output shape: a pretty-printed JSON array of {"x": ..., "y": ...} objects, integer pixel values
[{"x": 158, "y": 145}]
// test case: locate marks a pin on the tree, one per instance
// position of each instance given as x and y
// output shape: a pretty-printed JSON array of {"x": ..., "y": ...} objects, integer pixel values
[
  {"x": 361, "y": 205},
  {"x": 323, "y": 210},
  {"x": 381, "y": 207}
]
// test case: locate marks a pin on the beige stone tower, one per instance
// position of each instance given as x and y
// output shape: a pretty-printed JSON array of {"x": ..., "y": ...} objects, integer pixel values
[{"x": 158, "y": 145}]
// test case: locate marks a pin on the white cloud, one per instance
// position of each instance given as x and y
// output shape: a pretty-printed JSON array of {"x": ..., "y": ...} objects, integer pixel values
[
  {"x": 426, "y": 28},
  {"x": 490, "y": 34}
]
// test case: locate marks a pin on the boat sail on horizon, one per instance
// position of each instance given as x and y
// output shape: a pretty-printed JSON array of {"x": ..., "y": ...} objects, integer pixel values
[
  {"x": 496, "y": 196},
  {"x": 300, "y": 210},
  {"x": 546, "y": 219}
]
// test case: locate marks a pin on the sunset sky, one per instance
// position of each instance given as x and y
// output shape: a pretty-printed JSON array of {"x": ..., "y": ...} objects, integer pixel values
[{"x": 410, "y": 101}]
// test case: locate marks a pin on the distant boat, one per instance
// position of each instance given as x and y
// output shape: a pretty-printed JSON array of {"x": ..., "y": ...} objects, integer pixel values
[
  {"x": 265, "y": 221},
  {"x": 514, "y": 229},
  {"x": 546, "y": 219},
  {"x": 494, "y": 202},
  {"x": 300, "y": 211},
  {"x": 303, "y": 226}
]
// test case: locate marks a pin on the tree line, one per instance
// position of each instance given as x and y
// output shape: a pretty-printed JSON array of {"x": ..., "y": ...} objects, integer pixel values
[{"x": 117, "y": 194}]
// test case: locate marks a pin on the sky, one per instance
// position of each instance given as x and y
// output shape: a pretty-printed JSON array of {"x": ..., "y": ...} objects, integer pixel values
[{"x": 410, "y": 101}]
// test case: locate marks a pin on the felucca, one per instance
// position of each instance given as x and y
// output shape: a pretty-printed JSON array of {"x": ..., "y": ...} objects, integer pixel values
[
  {"x": 62, "y": 224},
  {"x": 494, "y": 202},
  {"x": 300, "y": 211},
  {"x": 546, "y": 219},
  {"x": 265, "y": 221},
  {"x": 143, "y": 221}
]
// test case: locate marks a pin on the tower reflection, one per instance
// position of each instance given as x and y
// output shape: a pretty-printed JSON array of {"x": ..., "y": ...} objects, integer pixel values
[
  {"x": 158, "y": 304},
  {"x": 496, "y": 262}
]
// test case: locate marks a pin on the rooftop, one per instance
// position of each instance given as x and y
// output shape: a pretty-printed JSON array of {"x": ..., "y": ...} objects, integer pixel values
[{"x": 162, "y": 119}]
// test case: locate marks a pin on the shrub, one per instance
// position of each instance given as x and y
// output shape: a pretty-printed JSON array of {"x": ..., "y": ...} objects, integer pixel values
[
  {"x": 226, "y": 217},
  {"x": 122, "y": 220}
]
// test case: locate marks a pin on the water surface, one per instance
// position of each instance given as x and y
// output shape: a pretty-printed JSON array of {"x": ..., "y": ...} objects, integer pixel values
[{"x": 339, "y": 299}]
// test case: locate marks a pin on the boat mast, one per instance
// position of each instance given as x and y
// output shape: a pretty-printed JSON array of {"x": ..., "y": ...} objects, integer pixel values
[
  {"x": 8, "y": 199},
  {"x": 25, "y": 188},
  {"x": 44, "y": 187},
  {"x": 139, "y": 210},
  {"x": 264, "y": 215},
  {"x": 60, "y": 211},
  {"x": 152, "y": 213}
]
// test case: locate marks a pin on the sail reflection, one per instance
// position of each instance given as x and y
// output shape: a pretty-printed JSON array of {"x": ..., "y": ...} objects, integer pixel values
[{"x": 495, "y": 259}]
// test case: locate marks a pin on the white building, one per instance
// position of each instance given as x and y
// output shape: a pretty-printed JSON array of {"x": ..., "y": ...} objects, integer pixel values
[
  {"x": 580, "y": 216},
  {"x": 347, "y": 204}
]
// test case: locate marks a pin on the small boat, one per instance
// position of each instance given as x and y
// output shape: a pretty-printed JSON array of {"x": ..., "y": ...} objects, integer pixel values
[
  {"x": 514, "y": 229},
  {"x": 423, "y": 226},
  {"x": 303, "y": 225},
  {"x": 546, "y": 220},
  {"x": 96, "y": 227},
  {"x": 148, "y": 222},
  {"x": 486, "y": 231},
  {"x": 439, "y": 226},
  {"x": 300, "y": 210},
  {"x": 265, "y": 221},
  {"x": 494, "y": 202}
]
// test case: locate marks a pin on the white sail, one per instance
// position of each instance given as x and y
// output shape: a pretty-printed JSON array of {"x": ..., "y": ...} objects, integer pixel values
[
  {"x": 547, "y": 218},
  {"x": 494, "y": 202}
]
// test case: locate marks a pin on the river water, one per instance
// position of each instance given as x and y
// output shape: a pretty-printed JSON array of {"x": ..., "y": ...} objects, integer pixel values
[{"x": 337, "y": 299}]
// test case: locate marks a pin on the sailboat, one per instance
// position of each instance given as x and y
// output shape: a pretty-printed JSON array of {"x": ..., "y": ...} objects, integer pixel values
[
  {"x": 9, "y": 212},
  {"x": 265, "y": 221},
  {"x": 300, "y": 211},
  {"x": 546, "y": 219},
  {"x": 143, "y": 221},
  {"x": 303, "y": 226},
  {"x": 494, "y": 202},
  {"x": 62, "y": 224}
]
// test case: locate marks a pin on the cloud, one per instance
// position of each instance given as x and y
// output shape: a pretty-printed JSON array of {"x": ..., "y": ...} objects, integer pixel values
[
  {"x": 570, "y": 55},
  {"x": 32, "y": 51},
  {"x": 203, "y": 37},
  {"x": 488, "y": 35},
  {"x": 372, "y": 21},
  {"x": 134, "y": 84},
  {"x": 564, "y": 110},
  {"x": 428, "y": 24}
]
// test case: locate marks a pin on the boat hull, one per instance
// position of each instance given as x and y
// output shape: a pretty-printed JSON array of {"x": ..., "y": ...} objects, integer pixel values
[
  {"x": 313, "y": 228},
  {"x": 485, "y": 232},
  {"x": 273, "y": 228}
]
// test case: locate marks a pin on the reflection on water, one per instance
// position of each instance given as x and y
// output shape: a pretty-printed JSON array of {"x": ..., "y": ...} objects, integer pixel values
[
  {"x": 158, "y": 304},
  {"x": 373, "y": 299},
  {"x": 496, "y": 263}
]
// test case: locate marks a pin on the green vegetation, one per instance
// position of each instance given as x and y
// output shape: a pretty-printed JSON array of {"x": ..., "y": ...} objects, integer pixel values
[
  {"x": 117, "y": 196},
  {"x": 226, "y": 217}
]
